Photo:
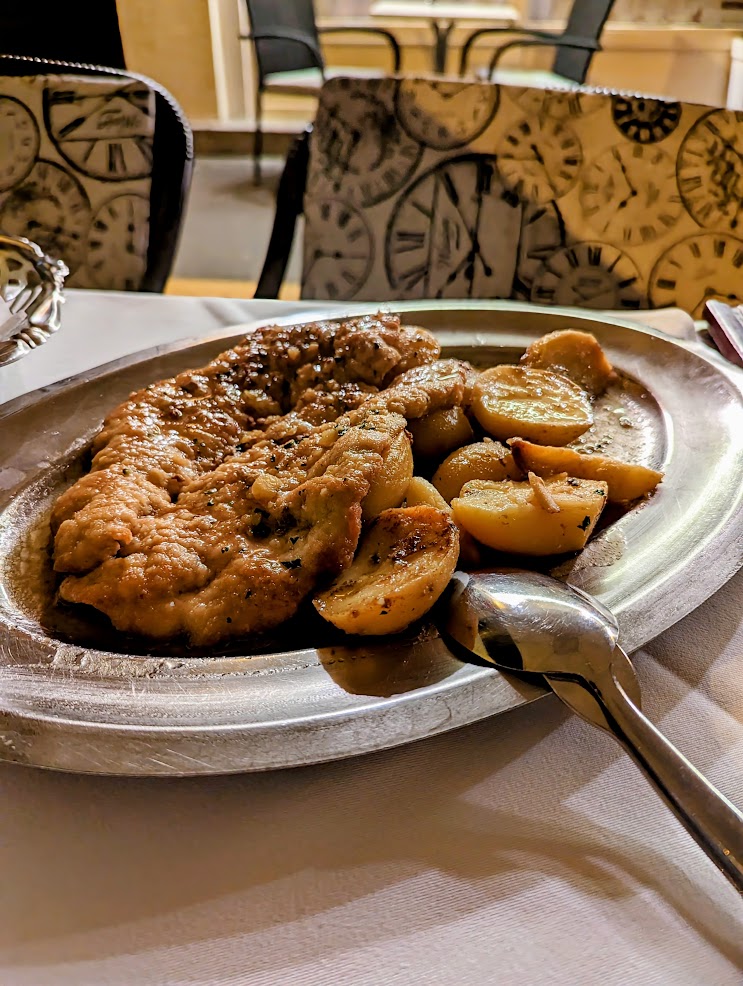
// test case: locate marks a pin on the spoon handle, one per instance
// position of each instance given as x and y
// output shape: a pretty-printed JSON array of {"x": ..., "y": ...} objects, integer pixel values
[{"x": 708, "y": 816}]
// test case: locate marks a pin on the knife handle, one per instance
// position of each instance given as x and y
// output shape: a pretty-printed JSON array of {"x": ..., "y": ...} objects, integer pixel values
[
  {"x": 707, "y": 815},
  {"x": 726, "y": 328}
]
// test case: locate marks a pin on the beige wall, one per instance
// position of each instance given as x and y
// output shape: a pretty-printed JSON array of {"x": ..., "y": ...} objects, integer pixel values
[
  {"x": 170, "y": 40},
  {"x": 686, "y": 63}
]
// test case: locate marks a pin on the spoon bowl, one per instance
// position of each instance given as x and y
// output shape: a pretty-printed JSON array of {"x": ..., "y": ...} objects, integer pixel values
[{"x": 526, "y": 622}]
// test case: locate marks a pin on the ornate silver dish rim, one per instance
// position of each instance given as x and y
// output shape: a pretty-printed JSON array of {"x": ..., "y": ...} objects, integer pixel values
[
  {"x": 39, "y": 303},
  {"x": 73, "y": 707}
]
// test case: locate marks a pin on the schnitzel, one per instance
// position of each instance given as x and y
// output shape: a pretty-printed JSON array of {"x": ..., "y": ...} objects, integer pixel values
[{"x": 218, "y": 499}]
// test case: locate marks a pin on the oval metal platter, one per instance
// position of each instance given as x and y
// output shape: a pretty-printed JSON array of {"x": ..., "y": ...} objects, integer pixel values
[{"x": 77, "y": 696}]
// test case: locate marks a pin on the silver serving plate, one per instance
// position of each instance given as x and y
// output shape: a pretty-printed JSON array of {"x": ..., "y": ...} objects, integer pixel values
[
  {"x": 31, "y": 283},
  {"x": 75, "y": 695}
]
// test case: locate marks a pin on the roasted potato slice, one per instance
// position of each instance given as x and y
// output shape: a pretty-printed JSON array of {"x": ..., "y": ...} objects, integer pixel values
[
  {"x": 436, "y": 434},
  {"x": 625, "y": 482},
  {"x": 541, "y": 517},
  {"x": 403, "y": 565},
  {"x": 471, "y": 375},
  {"x": 482, "y": 460},
  {"x": 575, "y": 354},
  {"x": 389, "y": 487},
  {"x": 539, "y": 405},
  {"x": 422, "y": 493}
]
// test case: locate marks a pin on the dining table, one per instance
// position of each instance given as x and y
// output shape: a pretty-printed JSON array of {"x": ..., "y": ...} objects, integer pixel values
[
  {"x": 522, "y": 849},
  {"x": 443, "y": 16}
]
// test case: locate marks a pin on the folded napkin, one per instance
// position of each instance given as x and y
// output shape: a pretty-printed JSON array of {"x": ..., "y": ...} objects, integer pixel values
[{"x": 673, "y": 321}]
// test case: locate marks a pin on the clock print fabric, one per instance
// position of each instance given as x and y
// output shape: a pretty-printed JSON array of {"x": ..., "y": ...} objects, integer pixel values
[
  {"x": 421, "y": 188},
  {"x": 75, "y": 173}
]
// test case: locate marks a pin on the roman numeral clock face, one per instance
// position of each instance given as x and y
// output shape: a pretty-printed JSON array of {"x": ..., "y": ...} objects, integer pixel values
[
  {"x": 446, "y": 115},
  {"x": 542, "y": 233},
  {"x": 556, "y": 104},
  {"x": 629, "y": 193},
  {"x": 455, "y": 233},
  {"x": 589, "y": 275},
  {"x": 363, "y": 152},
  {"x": 699, "y": 268},
  {"x": 122, "y": 221},
  {"x": 106, "y": 137},
  {"x": 540, "y": 159},
  {"x": 51, "y": 208},
  {"x": 19, "y": 140},
  {"x": 338, "y": 250},
  {"x": 645, "y": 121},
  {"x": 709, "y": 170}
]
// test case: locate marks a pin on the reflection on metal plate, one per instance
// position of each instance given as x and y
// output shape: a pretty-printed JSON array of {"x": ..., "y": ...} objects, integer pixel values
[{"x": 76, "y": 696}]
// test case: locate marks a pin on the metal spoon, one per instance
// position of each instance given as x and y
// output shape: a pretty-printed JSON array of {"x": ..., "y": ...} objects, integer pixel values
[{"x": 535, "y": 625}]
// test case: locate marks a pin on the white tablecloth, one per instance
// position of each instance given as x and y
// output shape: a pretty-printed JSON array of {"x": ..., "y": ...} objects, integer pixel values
[{"x": 526, "y": 849}]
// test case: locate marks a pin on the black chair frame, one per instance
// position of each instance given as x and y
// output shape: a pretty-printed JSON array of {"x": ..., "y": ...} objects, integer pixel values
[
  {"x": 289, "y": 207},
  {"x": 581, "y": 44},
  {"x": 563, "y": 41},
  {"x": 172, "y": 156},
  {"x": 309, "y": 43}
]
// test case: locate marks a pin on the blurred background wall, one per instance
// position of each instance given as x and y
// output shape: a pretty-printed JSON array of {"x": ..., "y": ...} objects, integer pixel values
[{"x": 677, "y": 48}]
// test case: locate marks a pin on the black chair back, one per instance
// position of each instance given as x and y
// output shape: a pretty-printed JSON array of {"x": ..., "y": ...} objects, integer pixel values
[
  {"x": 172, "y": 159},
  {"x": 586, "y": 22},
  {"x": 281, "y": 54}
]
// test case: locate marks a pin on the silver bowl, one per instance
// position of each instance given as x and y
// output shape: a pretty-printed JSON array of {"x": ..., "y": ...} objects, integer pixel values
[{"x": 31, "y": 285}]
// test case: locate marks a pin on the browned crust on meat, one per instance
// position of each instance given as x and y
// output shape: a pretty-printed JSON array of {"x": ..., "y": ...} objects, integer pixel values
[{"x": 216, "y": 500}]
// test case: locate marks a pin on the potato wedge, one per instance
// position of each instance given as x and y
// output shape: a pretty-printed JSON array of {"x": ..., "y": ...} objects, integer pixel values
[
  {"x": 625, "y": 481},
  {"x": 403, "y": 565},
  {"x": 482, "y": 460},
  {"x": 515, "y": 517},
  {"x": 389, "y": 487},
  {"x": 422, "y": 493},
  {"x": 576, "y": 355},
  {"x": 436, "y": 434},
  {"x": 539, "y": 405}
]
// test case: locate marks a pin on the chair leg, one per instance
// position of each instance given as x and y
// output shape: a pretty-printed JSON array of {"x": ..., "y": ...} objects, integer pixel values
[{"x": 258, "y": 137}]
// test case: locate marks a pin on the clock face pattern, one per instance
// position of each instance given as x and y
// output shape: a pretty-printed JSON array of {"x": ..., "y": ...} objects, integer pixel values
[
  {"x": 103, "y": 136},
  {"x": 629, "y": 193},
  {"x": 453, "y": 114},
  {"x": 645, "y": 121},
  {"x": 117, "y": 222},
  {"x": 588, "y": 275},
  {"x": 75, "y": 173},
  {"x": 450, "y": 253},
  {"x": 362, "y": 151},
  {"x": 19, "y": 139},
  {"x": 709, "y": 170},
  {"x": 338, "y": 248},
  {"x": 437, "y": 188},
  {"x": 558, "y": 104},
  {"x": 697, "y": 269},
  {"x": 540, "y": 159}
]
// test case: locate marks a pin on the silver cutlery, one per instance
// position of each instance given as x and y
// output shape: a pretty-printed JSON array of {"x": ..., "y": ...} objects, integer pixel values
[
  {"x": 726, "y": 329},
  {"x": 535, "y": 625}
]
